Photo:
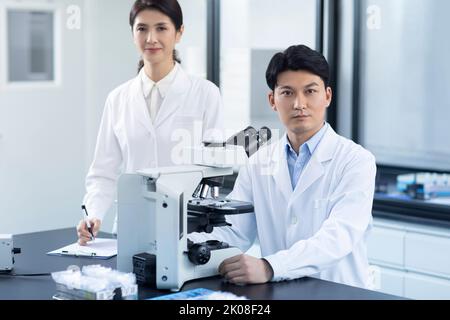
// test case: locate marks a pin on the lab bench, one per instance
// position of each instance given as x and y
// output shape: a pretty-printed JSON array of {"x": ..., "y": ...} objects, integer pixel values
[{"x": 33, "y": 259}]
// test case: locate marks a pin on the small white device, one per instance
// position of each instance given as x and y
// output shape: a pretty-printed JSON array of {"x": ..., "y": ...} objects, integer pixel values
[{"x": 6, "y": 252}]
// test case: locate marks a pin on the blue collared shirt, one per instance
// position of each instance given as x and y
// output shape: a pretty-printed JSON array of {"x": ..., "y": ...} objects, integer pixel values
[{"x": 298, "y": 161}]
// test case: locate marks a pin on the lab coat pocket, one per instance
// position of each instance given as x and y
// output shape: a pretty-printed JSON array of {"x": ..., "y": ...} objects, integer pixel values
[{"x": 320, "y": 213}]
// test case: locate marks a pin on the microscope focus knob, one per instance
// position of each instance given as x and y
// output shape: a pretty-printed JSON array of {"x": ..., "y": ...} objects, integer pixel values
[
  {"x": 199, "y": 254},
  {"x": 208, "y": 228}
]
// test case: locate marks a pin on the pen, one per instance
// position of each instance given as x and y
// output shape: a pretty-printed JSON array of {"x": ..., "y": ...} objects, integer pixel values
[{"x": 88, "y": 224}]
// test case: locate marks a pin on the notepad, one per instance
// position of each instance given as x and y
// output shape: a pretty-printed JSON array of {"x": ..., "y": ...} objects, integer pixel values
[
  {"x": 194, "y": 294},
  {"x": 200, "y": 294},
  {"x": 97, "y": 249}
]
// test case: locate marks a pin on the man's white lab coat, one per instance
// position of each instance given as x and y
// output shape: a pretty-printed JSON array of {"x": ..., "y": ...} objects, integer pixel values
[{"x": 320, "y": 228}]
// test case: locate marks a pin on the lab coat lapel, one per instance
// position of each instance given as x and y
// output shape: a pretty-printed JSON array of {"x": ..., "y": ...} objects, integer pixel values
[
  {"x": 315, "y": 167},
  {"x": 280, "y": 171},
  {"x": 137, "y": 102},
  {"x": 313, "y": 171},
  {"x": 174, "y": 98}
]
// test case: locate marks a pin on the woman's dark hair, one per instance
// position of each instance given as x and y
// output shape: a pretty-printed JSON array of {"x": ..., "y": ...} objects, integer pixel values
[
  {"x": 297, "y": 58},
  {"x": 170, "y": 8}
]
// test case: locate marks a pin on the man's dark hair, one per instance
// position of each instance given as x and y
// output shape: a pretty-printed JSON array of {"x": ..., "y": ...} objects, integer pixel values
[{"x": 297, "y": 58}]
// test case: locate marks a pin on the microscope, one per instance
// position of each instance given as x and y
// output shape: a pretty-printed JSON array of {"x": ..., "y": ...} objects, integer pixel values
[{"x": 158, "y": 207}]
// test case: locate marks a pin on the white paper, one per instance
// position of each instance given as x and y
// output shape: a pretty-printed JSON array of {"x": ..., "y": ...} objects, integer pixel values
[
  {"x": 98, "y": 248},
  {"x": 444, "y": 201}
]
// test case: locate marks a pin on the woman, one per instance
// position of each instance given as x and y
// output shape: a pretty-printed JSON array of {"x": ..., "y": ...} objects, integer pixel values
[{"x": 144, "y": 117}]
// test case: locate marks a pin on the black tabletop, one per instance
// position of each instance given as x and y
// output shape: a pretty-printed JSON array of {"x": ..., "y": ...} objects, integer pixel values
[{"x": 33, "y": 260}]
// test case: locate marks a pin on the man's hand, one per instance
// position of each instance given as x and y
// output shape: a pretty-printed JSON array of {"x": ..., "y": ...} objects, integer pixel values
[{"x": 244, "y": 269}]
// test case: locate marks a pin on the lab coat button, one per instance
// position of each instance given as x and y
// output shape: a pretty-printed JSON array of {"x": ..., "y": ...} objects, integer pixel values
[{"x": 294, "y": 221}]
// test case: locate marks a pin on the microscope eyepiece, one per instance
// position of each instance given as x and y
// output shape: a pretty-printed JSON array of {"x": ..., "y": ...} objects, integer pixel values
[{"x": 250, "y": 139}]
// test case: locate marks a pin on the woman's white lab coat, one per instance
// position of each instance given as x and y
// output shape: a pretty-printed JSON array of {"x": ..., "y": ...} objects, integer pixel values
[
  {"x": 320, "y": 228},
  {"x": 128, "y": 141}
]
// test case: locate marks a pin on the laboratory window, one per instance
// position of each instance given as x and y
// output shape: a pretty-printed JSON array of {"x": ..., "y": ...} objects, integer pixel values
[
  {"x": 405, "y": 74},
  {"x": 252, "y": 31},
  {"x": 30, "y": 43},
  {"x": 192, "y": 48}
]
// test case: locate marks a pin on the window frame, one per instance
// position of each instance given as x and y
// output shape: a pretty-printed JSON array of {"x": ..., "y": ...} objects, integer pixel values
[{"x": 4, "y": 50}]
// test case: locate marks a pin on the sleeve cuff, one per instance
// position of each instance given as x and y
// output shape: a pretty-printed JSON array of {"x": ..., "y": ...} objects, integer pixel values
[{"x": 279, "y": 271}]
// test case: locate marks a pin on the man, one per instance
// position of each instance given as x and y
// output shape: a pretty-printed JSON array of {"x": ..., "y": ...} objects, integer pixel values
[{"x": 312, "y": 191}]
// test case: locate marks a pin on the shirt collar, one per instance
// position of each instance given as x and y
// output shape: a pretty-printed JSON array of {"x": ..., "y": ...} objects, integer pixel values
[
  {"x": 163, "y": 85},
  {"x": 311, "y": 144}
]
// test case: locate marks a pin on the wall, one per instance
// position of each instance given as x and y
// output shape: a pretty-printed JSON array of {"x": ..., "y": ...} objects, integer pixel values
[
  {"x": 111, "y": 59},
  {"x": 41, "y": 152},
  {"x": 48, "y": 132}
]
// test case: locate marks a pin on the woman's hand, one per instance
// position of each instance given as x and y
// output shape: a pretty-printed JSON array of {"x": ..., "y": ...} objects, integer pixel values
[{"x": 83, "y": 233}]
